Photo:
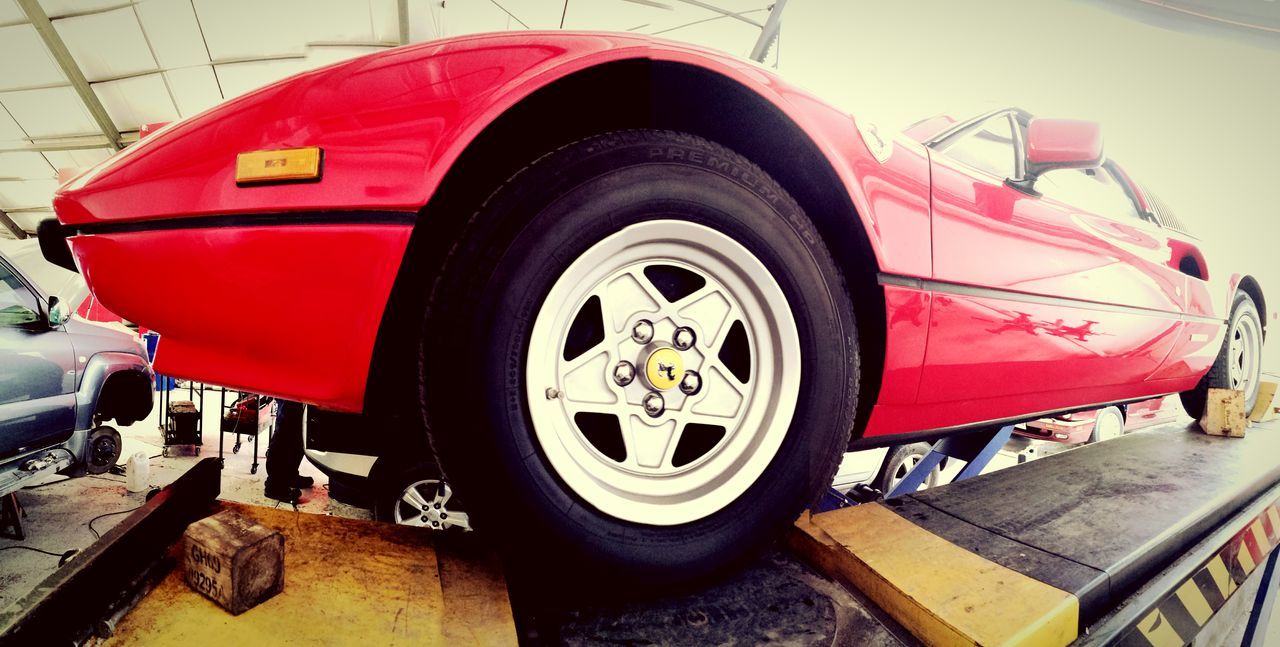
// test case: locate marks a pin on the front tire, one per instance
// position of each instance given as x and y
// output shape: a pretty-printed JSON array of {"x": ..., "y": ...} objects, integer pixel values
[
  {"x": 674, "y": 256},
  {"x": 1239, "y": 362}
]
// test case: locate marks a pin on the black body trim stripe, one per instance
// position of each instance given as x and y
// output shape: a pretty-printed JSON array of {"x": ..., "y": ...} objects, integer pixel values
[
  {"x": 350, "y": 217},
  {"x": 962, "y": 289}
]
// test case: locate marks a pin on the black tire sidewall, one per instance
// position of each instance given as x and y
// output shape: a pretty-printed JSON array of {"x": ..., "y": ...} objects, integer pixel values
[{"x": 571, "y": 202}]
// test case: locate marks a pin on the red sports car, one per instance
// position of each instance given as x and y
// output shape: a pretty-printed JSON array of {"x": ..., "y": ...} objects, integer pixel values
[{"x": 642, "y": 296}]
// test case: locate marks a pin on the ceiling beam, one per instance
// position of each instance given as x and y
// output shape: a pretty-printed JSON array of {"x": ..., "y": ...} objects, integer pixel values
[
  {"x": 402, "y": 11},
  {"x": 11, "y": 226},
  {"x": 48, "y": 145},
  {"x": 736, "y": 15},
  {"x": 53, "y": 41},
  {"x": 769, "y": 33}
]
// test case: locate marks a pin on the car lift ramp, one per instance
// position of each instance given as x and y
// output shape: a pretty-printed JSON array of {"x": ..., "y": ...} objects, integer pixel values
[
  {"x": 347, "y": 582},
  {"x": 1147, "y": 539}
]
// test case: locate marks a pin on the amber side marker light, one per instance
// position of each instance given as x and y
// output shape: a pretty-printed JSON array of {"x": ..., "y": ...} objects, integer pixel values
[{"x": 287, "y": 165}]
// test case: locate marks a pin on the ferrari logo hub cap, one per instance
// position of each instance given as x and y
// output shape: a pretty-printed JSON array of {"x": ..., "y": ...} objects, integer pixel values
[{"x": 664, "y": 368}]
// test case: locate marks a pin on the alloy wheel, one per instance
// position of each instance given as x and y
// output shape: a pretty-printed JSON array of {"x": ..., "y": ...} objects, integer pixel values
[{"x": 663, "y": 372}]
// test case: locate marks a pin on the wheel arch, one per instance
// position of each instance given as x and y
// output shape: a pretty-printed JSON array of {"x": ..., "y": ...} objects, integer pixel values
[
  {"x": 634, "y": 93},
  {"x": 112, "y": 380}
]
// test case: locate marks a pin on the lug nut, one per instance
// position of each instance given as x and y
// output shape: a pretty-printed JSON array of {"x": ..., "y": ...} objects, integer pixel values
[
  {"x": 624, "y": 373},
  {"x": 642, "y": 333},
  {"x": 653, "y": 404},
  {"x": 683, "y": 338},
  {"x": 691, "y": 383}
]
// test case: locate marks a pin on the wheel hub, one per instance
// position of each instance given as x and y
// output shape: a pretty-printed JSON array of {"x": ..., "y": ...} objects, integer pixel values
[{"x": 664, "y": 368}]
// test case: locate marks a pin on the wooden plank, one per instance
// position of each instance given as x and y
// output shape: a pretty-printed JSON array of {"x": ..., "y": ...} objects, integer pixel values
[
  {"x": 1224, "y": 414},
  {"x": 477, "y": 610},
  {"x": 1263, "y": 409},
  {"x": 350, "y": 582},
  {"x": 940, "y": 592}
]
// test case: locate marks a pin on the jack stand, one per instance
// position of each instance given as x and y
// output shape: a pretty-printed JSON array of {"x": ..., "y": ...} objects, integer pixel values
[
  {"x": 11, "y": 514},
  {"x": 975, "y": 449}
]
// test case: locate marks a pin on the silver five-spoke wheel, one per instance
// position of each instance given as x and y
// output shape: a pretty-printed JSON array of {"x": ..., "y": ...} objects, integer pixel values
[
  {"x": 663, "y": 372},
  {"x": 1244, "y": 352}
]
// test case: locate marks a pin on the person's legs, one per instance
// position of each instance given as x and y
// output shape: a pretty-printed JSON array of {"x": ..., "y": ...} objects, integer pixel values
[{"x": 284, "y": 453}]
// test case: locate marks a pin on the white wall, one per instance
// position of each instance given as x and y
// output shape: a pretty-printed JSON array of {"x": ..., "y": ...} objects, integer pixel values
[{"x": 1196, "y": 118}]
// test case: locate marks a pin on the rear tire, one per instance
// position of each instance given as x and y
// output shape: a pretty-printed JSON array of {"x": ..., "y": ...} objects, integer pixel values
[
  {"x": 1239, "y": 361},
  {"x": 513, "y": 311}
]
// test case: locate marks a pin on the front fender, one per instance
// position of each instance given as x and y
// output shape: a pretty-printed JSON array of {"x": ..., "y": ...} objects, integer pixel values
[
  {"x": 390, "y": 126},
  {"x": 99, "y": 368}
]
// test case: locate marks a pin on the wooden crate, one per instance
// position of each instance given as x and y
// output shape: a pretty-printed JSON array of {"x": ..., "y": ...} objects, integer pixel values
[
  {"x": 233, "y": 560},
  {"x": 1224, "y": 413}
]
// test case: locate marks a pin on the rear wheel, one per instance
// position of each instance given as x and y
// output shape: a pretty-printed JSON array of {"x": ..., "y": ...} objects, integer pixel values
[
  {"x": 640, "y": 360},
  {"x": 1239, "y": 362}
]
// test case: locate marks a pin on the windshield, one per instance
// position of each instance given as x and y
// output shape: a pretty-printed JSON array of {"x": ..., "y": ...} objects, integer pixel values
[{"x": 49, "y": 279}]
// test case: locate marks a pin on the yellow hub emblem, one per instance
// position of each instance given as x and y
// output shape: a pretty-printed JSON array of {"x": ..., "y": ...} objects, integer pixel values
[{"x": 664, "y": 368}]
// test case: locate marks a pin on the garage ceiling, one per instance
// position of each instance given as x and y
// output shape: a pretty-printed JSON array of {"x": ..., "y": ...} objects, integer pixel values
[{"x": 131, "y": 63}]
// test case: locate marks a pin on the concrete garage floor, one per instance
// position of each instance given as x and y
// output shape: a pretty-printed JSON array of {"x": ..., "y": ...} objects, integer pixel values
[
  {"x": 775, "y": 599},
  {"x": 58, "y": 513}
]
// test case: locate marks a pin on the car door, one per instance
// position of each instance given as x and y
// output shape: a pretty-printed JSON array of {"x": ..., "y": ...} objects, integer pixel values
[
  {"x": 1043, "y": 300},
  {"x": 37, "y": 371}
]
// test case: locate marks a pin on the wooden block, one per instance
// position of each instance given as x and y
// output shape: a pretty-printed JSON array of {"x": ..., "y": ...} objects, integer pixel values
[
  {"x": 233, "y": 560},
  {"x": 1224, "y": 413},
  {"x": 1262, "y": 409}
]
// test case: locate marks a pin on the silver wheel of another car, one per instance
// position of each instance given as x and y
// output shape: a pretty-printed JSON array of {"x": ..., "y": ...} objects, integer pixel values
[
  {"x": 684, "y": 402},
  {"x": 425, "y": 504}
]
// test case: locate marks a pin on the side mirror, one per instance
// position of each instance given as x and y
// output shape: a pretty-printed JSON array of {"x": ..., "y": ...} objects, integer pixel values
[
  {"x": 58, "y": 313},
  {"x": 1060, "y": 143}
]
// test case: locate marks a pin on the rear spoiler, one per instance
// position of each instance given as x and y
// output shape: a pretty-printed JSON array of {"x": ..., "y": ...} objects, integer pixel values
[{"x": 53, "y": 244}]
